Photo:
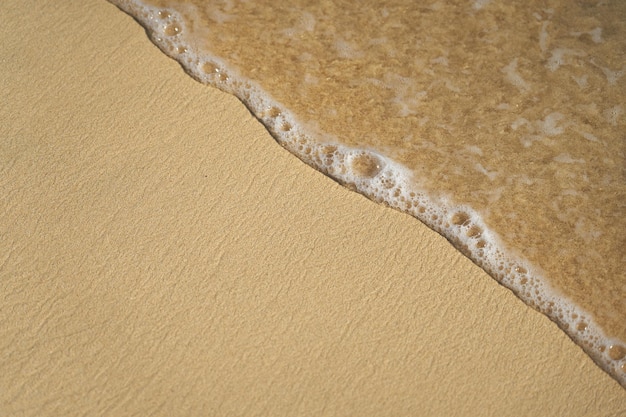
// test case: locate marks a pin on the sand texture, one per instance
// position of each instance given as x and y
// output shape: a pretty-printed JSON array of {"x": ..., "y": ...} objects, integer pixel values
[{"x": 160, "y": 254}]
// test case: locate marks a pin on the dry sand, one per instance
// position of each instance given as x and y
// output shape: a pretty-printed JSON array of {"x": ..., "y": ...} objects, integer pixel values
[{"x": 160, "y": 254}]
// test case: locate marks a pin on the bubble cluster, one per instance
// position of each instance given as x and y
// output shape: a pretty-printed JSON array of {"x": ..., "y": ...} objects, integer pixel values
[{"x": 384, "y": 180}]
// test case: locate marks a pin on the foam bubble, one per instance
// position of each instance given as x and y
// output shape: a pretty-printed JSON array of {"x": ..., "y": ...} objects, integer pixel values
[{"x": 365, "y": 165}]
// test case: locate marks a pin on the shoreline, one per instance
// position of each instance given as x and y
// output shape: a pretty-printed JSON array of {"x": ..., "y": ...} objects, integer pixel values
[
  {"x": 384, "y": 180},
  {"x": 167, "y": 255}
]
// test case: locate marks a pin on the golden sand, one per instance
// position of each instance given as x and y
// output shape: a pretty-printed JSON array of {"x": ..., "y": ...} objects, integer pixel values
[{"x": 160, "y": 255}]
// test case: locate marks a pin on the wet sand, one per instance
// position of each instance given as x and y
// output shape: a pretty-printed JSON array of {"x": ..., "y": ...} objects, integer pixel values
[
  {"x": 161, "y": 255},
  {"x": 502, "y": 130}
]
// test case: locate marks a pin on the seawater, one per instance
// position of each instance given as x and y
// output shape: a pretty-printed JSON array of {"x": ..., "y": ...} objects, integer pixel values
[{"x": 498, "y": 124}]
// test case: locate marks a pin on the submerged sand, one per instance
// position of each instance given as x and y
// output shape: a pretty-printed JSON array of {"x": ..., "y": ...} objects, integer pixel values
[
  {"x": 498, "y": 125},
  {"x": 160, "y": 255}
]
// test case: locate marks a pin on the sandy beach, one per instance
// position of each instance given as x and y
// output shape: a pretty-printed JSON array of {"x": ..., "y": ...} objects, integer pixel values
[{"x": 161, "y": 254}]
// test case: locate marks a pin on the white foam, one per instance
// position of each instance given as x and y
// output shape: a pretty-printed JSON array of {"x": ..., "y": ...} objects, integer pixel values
[
  {"x": 612, "y": 76},
  {"x": 346, "y": 49},
  {"x": 514, "y": 77},
  {"x": 480, "y": 4},
  {"x": 589, "y": 136},
  {"x": 490, "y": 174},
  {"x": 549, "y": 125},
  {"x": 558, "y": 57},
  {"x": 539, "y": 130},
  {"x": 582, "y": 81},
  {"x": 385, "y": 180},
  {"x": 566, "y": 158},
  {"x": 595, "y": 34},
  {"x": 613, "y": 114}
]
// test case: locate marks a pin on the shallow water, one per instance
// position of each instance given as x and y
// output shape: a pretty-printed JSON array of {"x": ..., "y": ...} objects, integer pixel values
[{"x": 499, "y": 125}]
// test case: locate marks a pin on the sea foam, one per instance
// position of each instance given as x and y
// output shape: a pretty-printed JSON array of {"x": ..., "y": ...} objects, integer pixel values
[{"x": 379, "y": 177}]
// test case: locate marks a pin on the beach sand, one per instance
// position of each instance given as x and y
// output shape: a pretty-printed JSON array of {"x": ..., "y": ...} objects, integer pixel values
[{"x": 160, "y": 254}]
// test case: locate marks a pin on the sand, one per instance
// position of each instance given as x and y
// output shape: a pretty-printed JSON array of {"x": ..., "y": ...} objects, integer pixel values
[{"x": 161, "y": 254}]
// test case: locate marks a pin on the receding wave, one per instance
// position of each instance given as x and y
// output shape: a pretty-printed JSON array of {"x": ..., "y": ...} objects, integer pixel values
[{"x": 514, "y": 151}]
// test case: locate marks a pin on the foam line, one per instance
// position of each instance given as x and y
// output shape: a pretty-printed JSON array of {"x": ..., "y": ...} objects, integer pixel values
[{"x": 385, "y": 181}]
